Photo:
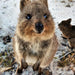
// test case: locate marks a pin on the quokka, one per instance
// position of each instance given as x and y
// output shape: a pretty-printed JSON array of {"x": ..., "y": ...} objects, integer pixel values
[
  {"x": 35, "y": 42},
  {"x": 68, "y": 31}
]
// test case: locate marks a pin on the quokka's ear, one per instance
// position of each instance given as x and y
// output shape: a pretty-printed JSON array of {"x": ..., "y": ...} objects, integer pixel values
[
  {"x": 45, "y": 2},
  {"x": 69, "y": 20},
  {"x": 23, "y": 4}
]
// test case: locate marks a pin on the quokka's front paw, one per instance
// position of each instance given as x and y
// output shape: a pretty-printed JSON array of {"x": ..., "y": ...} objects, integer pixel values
[{"x": 24, "y": 65}]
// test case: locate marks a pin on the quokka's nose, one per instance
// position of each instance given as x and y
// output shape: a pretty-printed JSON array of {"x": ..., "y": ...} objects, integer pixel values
[{"x": 39, "y": 27}]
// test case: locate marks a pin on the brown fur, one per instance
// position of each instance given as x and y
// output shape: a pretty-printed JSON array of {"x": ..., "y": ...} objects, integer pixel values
[
  {"x": 72, "y": 42},
  {"x": 68, "y": 31},
  {"x": 30, "y": 46}
]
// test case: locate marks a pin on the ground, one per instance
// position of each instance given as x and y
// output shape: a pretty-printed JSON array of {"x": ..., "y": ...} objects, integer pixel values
[{"x": 9, "y": 12}]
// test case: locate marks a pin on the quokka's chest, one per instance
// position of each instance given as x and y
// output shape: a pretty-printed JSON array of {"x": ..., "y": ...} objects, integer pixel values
[{"x": 35, "y": 48}]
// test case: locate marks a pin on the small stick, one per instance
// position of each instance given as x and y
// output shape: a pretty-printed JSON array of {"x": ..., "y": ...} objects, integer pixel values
[
  {"x": 5, "y": 69},
  {"x": 66, "y": 55}
]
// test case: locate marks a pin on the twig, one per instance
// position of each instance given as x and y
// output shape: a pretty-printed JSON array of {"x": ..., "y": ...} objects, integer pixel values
[
  {"x": 5, "y": 69},
  {"x": 66, "y": 55},
  {"x": 1, "y": 61}
]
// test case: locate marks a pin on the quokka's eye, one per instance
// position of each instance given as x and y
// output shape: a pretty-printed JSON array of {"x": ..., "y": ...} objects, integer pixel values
[
  {"x": 45, "y": 16},
  {"x": 29, "y": 16}
]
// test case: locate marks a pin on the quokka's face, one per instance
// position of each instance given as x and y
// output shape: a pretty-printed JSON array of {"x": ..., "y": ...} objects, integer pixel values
[
  {"x": 65, "y": 24},
  {"x": 35, "y": 21}
]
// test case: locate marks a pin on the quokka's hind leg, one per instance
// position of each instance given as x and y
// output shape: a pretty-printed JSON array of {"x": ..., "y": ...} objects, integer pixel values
[{"x": 20, "y": 68}]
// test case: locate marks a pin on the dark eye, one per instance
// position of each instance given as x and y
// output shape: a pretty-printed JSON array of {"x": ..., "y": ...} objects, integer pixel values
[
  {"x": 45, "y": 16},
  {"x": 29, "y": 16}
]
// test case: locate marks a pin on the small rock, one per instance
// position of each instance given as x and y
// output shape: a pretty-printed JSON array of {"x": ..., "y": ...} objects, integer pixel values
[
  {"x": 3, "y": 53},
  {"x": 0, "y": 28},
  {"x": 68, "y": 5},
  {"x": 62, "y": 1},
  {"x": 6, "y": 39}
]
